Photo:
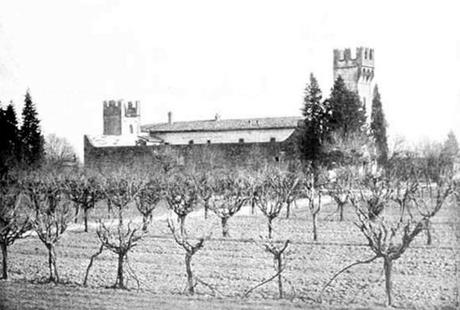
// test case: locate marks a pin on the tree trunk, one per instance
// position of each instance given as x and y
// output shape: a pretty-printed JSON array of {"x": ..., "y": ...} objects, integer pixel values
[
  {"x": 341, "y": 207},
  {"x": 206, "y": 209},
  {"x": 288, "y": 209},
  {"x": 54, "y": 277},
  {"x": 145, "y": 222},
  {"x": 253, "y": 206},
  {"x": 188, "y": 269},
  {"x": 182, "y": 224},
  {"x": 4, "y": 261},
  {"x": 428, "y": 233},
  {"x": 224, "y": 221},
  {"x": 387, "y": 264},
  {"x": 109, "y": 207},
  {"x": 269, "y": 228},
  {"x": 77, "y": 210},
  {"x": 120, "y": 281},
  {"x": 280, "y": 280},
  {"x": 85, "y": 215},
  {"x": 315, "y": 235}
]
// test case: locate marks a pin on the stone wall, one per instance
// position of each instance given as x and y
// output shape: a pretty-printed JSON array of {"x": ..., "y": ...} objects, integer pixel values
[{"x": 203, "y": 156}]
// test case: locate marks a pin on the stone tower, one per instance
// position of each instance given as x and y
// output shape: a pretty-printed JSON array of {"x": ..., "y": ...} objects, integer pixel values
[
  {"x": 357, "y": 70},
  {"x": 121, "y": 118}
]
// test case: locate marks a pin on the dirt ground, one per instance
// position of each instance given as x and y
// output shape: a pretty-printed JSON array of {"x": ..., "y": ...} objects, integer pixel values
[{"x": 426, "y": 277}]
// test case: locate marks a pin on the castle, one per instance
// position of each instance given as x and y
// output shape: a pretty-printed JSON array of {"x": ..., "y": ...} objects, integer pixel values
[{"x": 230, "y": 140}]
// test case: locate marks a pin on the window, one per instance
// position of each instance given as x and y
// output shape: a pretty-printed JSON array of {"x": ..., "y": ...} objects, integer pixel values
[
  {"x": 130, "y": 128},
  {"x": 190, "y": 142},
  {"x": 365, "y": 54},
  {"x": 241, "y": 140},
  {"x": 370, "y": 54},
  {"x": 277, "y": 159},
  {"x": 272, "y": 139},
  {"x": 208, "y": 142}
]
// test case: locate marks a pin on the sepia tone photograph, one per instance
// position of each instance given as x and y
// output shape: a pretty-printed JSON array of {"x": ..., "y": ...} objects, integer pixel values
[{"x": 229, "y": 154}]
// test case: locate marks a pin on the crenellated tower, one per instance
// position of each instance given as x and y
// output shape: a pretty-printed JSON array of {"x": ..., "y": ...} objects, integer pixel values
[
  {"x": 121, "y": 118},
  {"x": 357, "y": 71}
]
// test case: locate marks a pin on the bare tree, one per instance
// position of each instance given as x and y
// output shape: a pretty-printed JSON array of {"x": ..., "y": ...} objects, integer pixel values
[
  {"x": 337, "y": 189},
  {"x": 204, "y": 182},
  {"x": 58, "y": 150},
  {"x": 388, "y": 238},
  {"x": 52, "y": 215},
  {"x": 270, "y": 197},
  {"x": 85, "y": 191},
  {"x": 230, "y": 194},
  {"x": 148, "y": 198},
  {"x": 181, "y": 193},
  {"x": 119, "y": 237},
  {"x": 312, "y": 186},
  {"x": 14, "y": 219},
  {"x": 191, "y": 249},
  {"x": 278, "y": 253}
]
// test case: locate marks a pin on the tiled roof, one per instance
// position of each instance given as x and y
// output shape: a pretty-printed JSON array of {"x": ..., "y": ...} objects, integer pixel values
[
  {"x": 106, "y": 141},
  {"x": 226, "y": 124}
]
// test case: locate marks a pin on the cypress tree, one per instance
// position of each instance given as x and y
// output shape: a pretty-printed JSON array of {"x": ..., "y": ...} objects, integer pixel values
[
  {"x": 315, "y": 124},
  {"x": 379, "y": 127},
  {"x": 32, "y": 141},
  {"x": 348, "y": 114},
  {"x": 12, "y": 133}
]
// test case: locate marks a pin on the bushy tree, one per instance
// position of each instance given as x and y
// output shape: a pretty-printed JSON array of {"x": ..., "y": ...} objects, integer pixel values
[
  {"x": 348, "y": 114},
  {"x": 148, "y": 198},
  {"x": 32, "y": 141},
  {"x": 379, "y": 127}
]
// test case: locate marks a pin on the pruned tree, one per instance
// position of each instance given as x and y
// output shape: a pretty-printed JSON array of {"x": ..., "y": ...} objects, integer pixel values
[
  {"x": 230, "y": 194},
  {"x": 277, "y": 250},
  {"x": 337, "y": 188},
  {"x": 14, "y": 218},
  {"x": 52, "y": 215},
  {"x": 290, "y": 186},
  {"x": 312, "y": 187},
  {"x": 148, "y": 198},
  {"x": 270, "y": 197},
  {"x": 204, "y": 183},
  {"x": 181, "y": 193},
  {"x": 117, "y": 236},
  {"x": 84, "y": 191},
  {"x": 389, "y": 238},
  {"x": 191, "y": 248}
]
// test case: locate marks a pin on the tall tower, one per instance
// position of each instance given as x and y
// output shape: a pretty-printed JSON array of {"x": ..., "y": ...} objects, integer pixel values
[
  {"x": 121, "y": 118},
  {"x": 357, "y": 71}
]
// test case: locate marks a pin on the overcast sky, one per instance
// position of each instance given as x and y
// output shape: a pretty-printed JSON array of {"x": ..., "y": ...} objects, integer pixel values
[{"x": 235, "y": 58}]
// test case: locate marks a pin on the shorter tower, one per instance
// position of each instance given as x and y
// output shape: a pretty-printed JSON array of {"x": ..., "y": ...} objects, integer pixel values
[
  {"x": 121, "y": 118},
  {"x": 357, "y": 71}
]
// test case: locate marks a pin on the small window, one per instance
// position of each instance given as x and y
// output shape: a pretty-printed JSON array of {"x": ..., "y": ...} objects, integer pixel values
[
  {"x": 370, "y": 54},
  {"x": 365, "y": 54},
  {"x": 208, "y": 142},
  {"x": 277, "y": 159},
  {"x": 190, "y": 142},
  {"x": 272, "y": 139},
  {"x": 131, "y": 128},
  {"x": 241, "y": 140}
]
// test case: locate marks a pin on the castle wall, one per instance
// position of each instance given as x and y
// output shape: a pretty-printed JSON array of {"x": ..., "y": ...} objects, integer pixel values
[
  {"x": 230, "y": 136},
  {"x": 199, "y": 155}
]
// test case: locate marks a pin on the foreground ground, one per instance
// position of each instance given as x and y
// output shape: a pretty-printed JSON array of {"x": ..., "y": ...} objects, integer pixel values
[{"x": 425, "y": 277}]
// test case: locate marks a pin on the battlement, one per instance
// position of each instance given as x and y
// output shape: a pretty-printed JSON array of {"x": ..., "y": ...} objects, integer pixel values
[
  {"x": 132, "y": 109},
  {"x": 112, "y": 107},
  {"x": 361, "y": 56}
]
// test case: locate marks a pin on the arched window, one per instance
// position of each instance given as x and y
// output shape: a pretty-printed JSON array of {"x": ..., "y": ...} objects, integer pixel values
[
  {"x": 365, "y": 54},
  {"x": 131, "y": 128}
]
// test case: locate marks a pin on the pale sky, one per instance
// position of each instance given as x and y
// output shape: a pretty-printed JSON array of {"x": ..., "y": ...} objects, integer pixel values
[{"x": 236, "y": 58}]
